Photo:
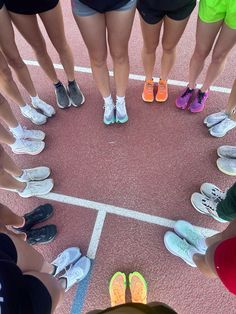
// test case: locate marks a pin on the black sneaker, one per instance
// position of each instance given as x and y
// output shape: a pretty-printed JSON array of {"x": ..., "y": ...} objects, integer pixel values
[
  {"x": 75, "y": 94},
  {"x": 63, "y": 100},
  {"x": 43, "y": 235},
  {"x": 39, "y": 214}
]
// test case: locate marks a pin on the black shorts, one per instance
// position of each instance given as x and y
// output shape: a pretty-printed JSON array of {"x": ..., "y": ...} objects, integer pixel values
[
  {"x": 1, "y": 4},
  {"x": 30, "y": 6},
  {"x": 19, "y": 294},
  {"x": 154, "y": 13}
]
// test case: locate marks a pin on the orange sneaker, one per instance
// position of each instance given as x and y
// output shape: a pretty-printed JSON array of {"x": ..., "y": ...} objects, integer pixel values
[
  {"x": 148, "y": 91},
  {"x": 138, "y": 288},
  {"x": 117, "y": 289},
  {"x": 162, "y": 91}
]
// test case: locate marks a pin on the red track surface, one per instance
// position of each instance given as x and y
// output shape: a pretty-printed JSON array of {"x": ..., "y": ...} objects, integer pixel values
[{"x": 152, "y": 165}]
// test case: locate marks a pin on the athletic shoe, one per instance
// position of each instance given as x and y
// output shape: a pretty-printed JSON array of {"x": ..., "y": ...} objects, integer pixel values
[
  {"x": 77, "y": 272},
  {"x": 162, "y": 91},
  {"x": 215, "y": 118},
  {"x": 36, "y": 135},
  {"x": 43, "y": 235},
  {"x": 205, "y": 206},
  {"x": 47, "y": 109},
  {"x": 222, "y": 128},
  {"x": 76, "y": 97},
  {"x": 36, "y": 216},
  {"x": 148, "y": 91},
  {"x": 33, "y": 115},
  {"x": 180, "y": 247},
  {"x": 109, "y": 113},
  {"x": 227, "y": 166},
  {"x": 27, "y": 147},
  {"x": 66, "y": 258},
  {"x": 37, "y": 188},
  {"x": 212, "y": 191},
  {"x": 34, "y": 174},
  {"x": 226, "y": 151},
  {"x": 117, "y": 289},
  {"x": 184, "y": 98},
  {"x": 63, "y": 100},
  {"x": 199, "y": 102},
  {"x": 187, "y": 231},
  {"x": 121, "y": 112},
  {"x": 138, "y": 288}
]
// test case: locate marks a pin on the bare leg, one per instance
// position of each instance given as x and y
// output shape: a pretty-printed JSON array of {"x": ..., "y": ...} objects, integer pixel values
[
  {"x": 6, "y": 113},
  {"x": 5, "y": 136},
  {"x": 230, "y": 108},
  {"x": 8, "y": 218},
  {"x": 119, "y": 25}
]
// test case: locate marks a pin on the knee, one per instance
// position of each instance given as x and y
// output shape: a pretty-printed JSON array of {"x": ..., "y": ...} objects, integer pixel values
[
  {"x": 120, "y": 56},
  {"x": 2, "y": 101},
  {"x": 16, "y": 62},
  {"x": 218, "y": 58},
  {"x": 201, "y": 53},
  {"x": 40, "y": 49},
  {"x": 168, "y": 49},
  {"x": 150, "y": 49},
  {"x": 98, "y": 60},
  {"x": 63, "y": 48},
  {"x": 6, "y": 74}
]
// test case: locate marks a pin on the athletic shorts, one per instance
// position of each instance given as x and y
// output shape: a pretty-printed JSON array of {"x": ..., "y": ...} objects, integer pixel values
[
  {"x": 1, "y": 4},
  {"x": 225, "y": 263},
  {"x": 211, "y": 11},
  {"x": 81, "y": 9},
  {"x": 19, "y": 294},
  {"x": 154, "y": 13},
  {"x": 30, "y": 7}
]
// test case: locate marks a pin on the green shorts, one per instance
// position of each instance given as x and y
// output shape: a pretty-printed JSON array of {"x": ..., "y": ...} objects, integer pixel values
[{"x": 211, "y": 11}]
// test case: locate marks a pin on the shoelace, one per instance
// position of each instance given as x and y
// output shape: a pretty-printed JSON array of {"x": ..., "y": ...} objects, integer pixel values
[
  {"x": 75, "y": 273},
  {"x": 218, "y": 195},
  {"x": 210, "y": 206},
  {"x": 149, "y": 87},
  {"x": 161, "y": 87},
  {"x": 187, "y": 91},
  {"x": 200, "y": 96}
]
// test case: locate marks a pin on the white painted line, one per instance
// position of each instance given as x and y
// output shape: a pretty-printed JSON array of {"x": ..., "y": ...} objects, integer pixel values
[
  {"x": 135, "y": 77},
  {"x": 96, "y": 235},
  {"x": 119, "y": 211}
]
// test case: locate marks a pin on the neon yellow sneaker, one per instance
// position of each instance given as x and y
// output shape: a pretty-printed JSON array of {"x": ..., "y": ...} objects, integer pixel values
[
  {"x": 117, "y": 288},
  {"x": 138, "y": 288}
]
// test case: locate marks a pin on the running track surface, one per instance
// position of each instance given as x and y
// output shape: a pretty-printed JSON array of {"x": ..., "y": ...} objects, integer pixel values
[{"x": 118, "y": 189}]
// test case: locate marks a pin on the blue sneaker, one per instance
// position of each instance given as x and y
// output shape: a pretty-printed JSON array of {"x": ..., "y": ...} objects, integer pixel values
[
  {"x": 121, "y": 112},
  {"x": 109, "y": 113}
]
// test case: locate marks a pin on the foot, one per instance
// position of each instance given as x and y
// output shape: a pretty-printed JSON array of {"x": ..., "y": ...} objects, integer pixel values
[
  {"x": 212, "y": 191},
  {"x": 227, "y": 151},
  {"x": 43, "y": 235},
  {"x": 138, "y": 288},
  {"x": 37, "y": 188},
  {"x": 36, "y": 135},
  {"x": 227, "y": 166},
  {"x": 148, "y": 91},
  {"x": 180, "y": 247},
  {"x": 68, "y": 257},
  {"x": 222, "y": 128},
  {"x": 62, "y": 98},
  {"x": 34, "y": 174},
  {"x": 121, "y": 112},
  {"x": 215, "y": 118},
  {"x": 77, "y": 272},
  {"x": 117, "y": 289},
  {"x": 205, "y": 206},
  {"x": 184, "y": 98},
  {"x": 46, "y": 109},
  {"x": 33, "y": 115},
  {"x": 187, "y": 231},
  {"x": 36, "y": 216},
  {"x": 199, "y": 102},
  {"x": 162, "y": 91},
  {"x": 75, "y": 94},
  {"x": 109, "y": 113},
  {"x": 27, "y": 147}
]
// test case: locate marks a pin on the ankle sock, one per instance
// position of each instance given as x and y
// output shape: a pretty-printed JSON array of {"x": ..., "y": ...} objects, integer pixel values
[
  {"x": 58, "y": 84},
  {"x": 25, "y": 108},
  {"x": 34, "y": 98},
  {"x": 120, "y": 99},
  {"x": 71, "y": 82},
  {"x": 108, "y": 99}
]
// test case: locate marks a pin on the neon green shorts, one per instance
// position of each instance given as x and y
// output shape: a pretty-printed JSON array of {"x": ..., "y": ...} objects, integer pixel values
[{"x": 211, "y": 11}]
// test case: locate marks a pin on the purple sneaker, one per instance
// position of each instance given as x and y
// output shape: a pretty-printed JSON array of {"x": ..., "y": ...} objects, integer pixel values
[
  {"x": 199, "y": 101},
  {"x": 183, "y": 99}
]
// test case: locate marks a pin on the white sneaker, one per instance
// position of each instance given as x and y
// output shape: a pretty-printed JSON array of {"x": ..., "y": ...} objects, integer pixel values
[
  {"x": 180, "y": 247},
  {"x": 121, "y": 112},
  {"x": 77, "y": 272},
  {"x": 33, "y": 115},
  {"x": 34, "y": 174},
  {"x": 30, "y": 134},
  {"x": 212, "y": 191},
  {"x": 37, "y": 188},
  {"x": 205, "y": 206},
  {"x": 215, "y": 118},
  {"x": 47, "y": 109},
  {"x": 109, "y": 113},
  {"x": 27, "y": 147},
  {"x": 222, "y": 128},
  {"x": 66, "y": 258},
  {"x": 227, "y": 151},
  {"x": 227, "y": 166},
  {"x": 187, "y": 231}
]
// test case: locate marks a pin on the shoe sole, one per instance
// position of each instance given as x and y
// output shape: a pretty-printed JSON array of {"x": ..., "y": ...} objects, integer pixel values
[
  {"x": 76, "y": 106},
  {"x": 29, "y": 153},
  {"x": 148, "y": 101},
  {"x": 181, "y": 107},
  {"x": 217, "y": 134},
  {"x": 44, "y": 112},
  {"x": 122, "y": 120},
  {"x": 33, "y": 120},
  {"x": 225, "y": 171},
  {"x": 161, "y": 100},
  {"x": 61, "y": 107},
  {"x": 109, "y": 122}
]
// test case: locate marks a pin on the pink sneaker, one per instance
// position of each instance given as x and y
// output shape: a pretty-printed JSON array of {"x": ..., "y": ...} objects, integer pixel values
[
  {"x": 184, "y": 98},
  {"x": 199, "y": 101}
]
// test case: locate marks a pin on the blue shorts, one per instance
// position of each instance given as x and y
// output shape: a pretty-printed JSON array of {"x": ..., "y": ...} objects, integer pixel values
[{"x": 81, "y": 9}]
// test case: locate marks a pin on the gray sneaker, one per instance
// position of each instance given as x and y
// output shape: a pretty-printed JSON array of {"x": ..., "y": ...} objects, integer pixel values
[
  {"x": 215, "y": 118},
  {"x": 63, "y": 100},
  {"x": 226, "y": 151},
  {"x": 76, "y": 97},
  {"x": 222, "y": 128},
  {"x": 227, "y": 166}
]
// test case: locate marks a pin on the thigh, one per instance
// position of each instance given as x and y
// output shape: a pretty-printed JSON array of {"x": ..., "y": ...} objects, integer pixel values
[{"x": 151, "y": 34}]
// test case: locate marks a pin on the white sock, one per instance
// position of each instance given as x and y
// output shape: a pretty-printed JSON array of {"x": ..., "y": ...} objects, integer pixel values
[
  {"x": 33, "y": 98},
  {"x": 18, "y": 130},
  {"x": 108, "y": 99},
  {"x": 25, "y": 108},
  {"x": 120, "y": 99}
]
